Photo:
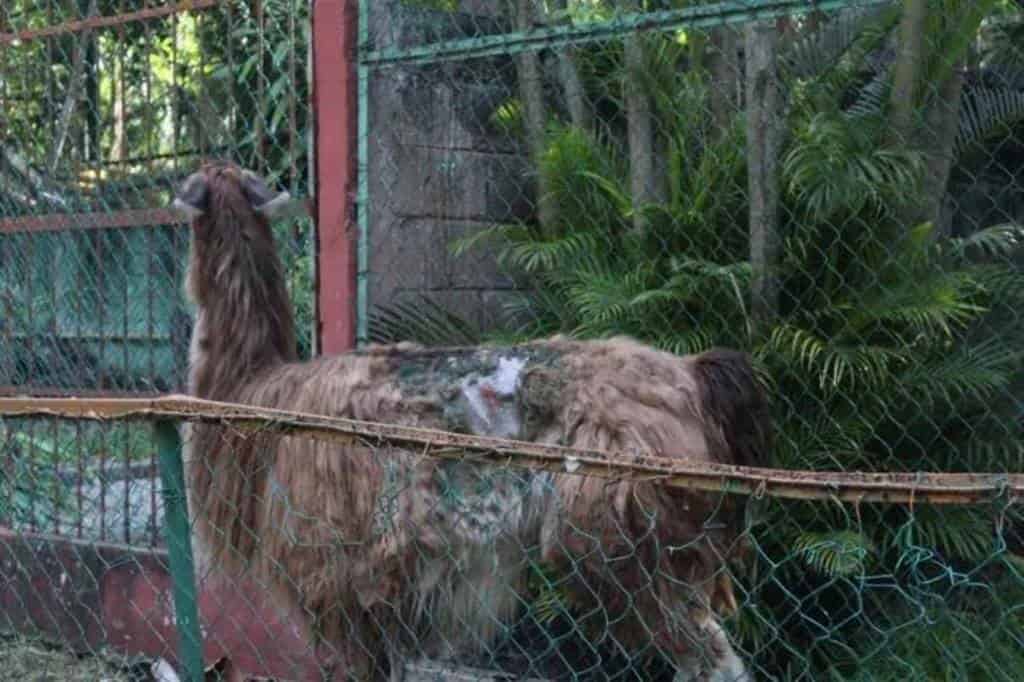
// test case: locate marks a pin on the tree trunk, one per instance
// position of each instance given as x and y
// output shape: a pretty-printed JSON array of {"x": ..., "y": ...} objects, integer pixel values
[
  {"x": 531, "y": 93},
  {"x": 119, "y": 152},
  {"x": 904, "y": 97},
  {"x": 941, "y": 127},
  {"x": 643, "y": 181},
  {"x": 724, "y": 69},
  {"x": 78, "y": 61},
  {"x": 763, "y": 138},
  {"x": 572, "y": 84}
]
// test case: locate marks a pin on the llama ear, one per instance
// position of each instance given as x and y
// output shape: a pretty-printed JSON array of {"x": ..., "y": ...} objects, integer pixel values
[
  {"x": 263, "y": 199},
  {"x": 191, "y": 199}
]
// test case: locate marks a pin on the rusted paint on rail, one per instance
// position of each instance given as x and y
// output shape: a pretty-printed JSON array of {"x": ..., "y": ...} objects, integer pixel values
[
  {"x": 128, "y": 218},
  {"x": 934, "y": 488},
  {"x": 23, "y": 391},
  {"x": 106, "y": 21},
  {"x": 60, "y": 222}
]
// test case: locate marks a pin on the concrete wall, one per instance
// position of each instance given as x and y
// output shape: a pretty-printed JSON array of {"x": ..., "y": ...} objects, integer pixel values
[{"x": 438, "y": 171}]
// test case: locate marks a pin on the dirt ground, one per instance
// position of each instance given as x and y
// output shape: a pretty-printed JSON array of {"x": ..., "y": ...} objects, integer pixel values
[{"x": 27, "y": 660}]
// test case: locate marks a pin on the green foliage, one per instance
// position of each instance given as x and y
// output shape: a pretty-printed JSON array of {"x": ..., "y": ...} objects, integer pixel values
[
  {"x": 421, "y": 320},
  {"x": 41, "y": 460},
  {"x": 893, "y": 347},
  {"x": 834, "y": 553}
]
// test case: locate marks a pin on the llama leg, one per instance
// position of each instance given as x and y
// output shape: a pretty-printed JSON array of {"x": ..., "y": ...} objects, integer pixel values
[
  {"x": 397, "y": 664},
  {"x": 714, "y": 659}
]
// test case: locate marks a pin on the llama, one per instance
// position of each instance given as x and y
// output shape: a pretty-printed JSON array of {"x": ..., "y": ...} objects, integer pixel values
[{"x": 391, "y": 555}]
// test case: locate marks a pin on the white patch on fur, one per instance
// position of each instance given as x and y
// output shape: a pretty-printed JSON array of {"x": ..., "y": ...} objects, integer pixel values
[
  {"x": 506, "y": 377},
  {"x": 488, "y": 398}
]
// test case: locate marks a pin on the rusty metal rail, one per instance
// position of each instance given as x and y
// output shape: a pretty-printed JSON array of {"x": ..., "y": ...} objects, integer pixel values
[
  {"x": 105, "y": 21},
  {"x": 902, "y": 488}
]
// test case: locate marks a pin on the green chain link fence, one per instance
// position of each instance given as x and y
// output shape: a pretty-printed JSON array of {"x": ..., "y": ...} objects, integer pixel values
[
  {"x": 106, "y": 106},
  {"x": 835, "y": 187}
]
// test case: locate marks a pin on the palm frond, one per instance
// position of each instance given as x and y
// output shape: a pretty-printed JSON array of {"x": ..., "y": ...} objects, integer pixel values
[
  {"x": 538, "y": 255},
  {"x": 583, "y": 176},
  {"x": 836, "y": 165},
  {"x": 974, "y": 372},
  {"x": 688, "y": 342},
  {"x": 957, "y": 532},
  {"x": 853, "y": 30},
  {"x": 984, "y": 453},
  {"x": 871, "y": 98},
  {"x": 986, "y": 111},
  {"x": 604, "y": 296},
  {"x": 833, "y": 364},
  {"x": 824, "y": 441},
  {"x": 493, "y": 236},
  {"x": 991, "y": 242},
  {"x": 935, "y": 302},
  {"x": 420, "y": 321},
  {"x": 835, "y": 553},
  {"x": 549, "y": 600}
]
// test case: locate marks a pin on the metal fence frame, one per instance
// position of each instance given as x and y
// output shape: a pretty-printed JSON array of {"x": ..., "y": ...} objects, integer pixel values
[
  {"x": 343, "y": 63},
  {"x": 101, "y": 616}
]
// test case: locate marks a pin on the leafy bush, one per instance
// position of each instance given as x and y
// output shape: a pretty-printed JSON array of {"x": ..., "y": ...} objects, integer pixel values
[{"x": 893, "y": 348}]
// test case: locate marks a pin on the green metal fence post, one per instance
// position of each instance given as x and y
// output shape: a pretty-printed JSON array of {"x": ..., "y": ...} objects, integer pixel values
[{"x": 179, "y": 548}]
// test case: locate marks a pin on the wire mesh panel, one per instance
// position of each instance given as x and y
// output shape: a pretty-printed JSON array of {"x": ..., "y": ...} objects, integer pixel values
[
  {"x": 106, "y": 108},
  {"x": 362, "y": 550},
  {"x": 835, "y": 188}
]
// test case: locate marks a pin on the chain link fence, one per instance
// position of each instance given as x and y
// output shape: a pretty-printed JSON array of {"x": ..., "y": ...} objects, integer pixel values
[
  {"x": 106, "y": 107},
  {"x": 836, "y": 188},
  {"x": 370, "y": 549}
]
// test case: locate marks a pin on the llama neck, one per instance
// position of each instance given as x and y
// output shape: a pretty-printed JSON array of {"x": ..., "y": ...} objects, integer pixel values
[{"x": 244, "y": 324}]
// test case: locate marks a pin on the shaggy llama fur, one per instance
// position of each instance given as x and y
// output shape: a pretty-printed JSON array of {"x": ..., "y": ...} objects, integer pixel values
[{"x": 392, "y": 555}]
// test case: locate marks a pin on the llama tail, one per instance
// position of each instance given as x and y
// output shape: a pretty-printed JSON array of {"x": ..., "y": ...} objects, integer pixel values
[
  {"x": 738, "y": 429},
  {"x": 737, "y": 420}
]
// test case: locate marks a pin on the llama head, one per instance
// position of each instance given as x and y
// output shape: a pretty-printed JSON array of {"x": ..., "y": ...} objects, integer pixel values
[
  {"x": 230, "y": 209},
  {"x": 220, "y": 186}
]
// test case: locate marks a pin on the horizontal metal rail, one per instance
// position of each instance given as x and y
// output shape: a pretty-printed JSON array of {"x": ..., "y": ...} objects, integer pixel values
[
  {"x": 731, "y": 12},
  {"x": 80, "y": 25},
  {"x": 25, "y": 391},
  {"x": 130, "y": 218},
  {"x": 903, "y": 488}
]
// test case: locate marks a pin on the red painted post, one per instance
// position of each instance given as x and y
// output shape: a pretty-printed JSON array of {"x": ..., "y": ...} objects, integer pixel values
[{"x": 335, "y": 102}]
